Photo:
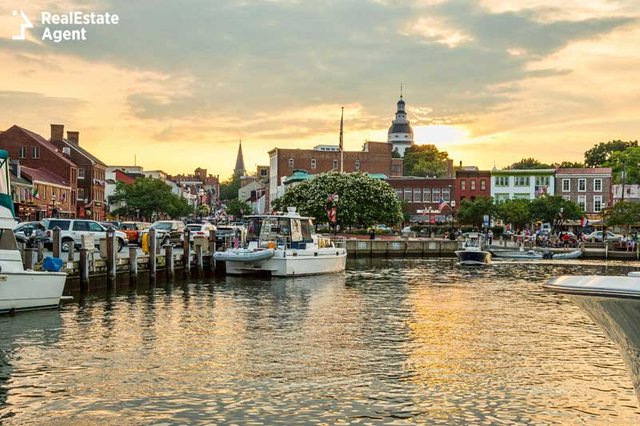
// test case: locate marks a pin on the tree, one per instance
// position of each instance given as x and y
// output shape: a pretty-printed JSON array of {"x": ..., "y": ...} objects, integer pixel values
[
  {"x": 623, "y": 213},
  {"x": 473, "y": 212},
  {"x": 425, "y": 160},
  {"x": 238, "y": 208},
  {"x": 626, "y": 161},
  {"x": 554, "y": 210},
  {"x": 569, "y": 165},
  {"x": 147, "y": 196},
  {"x": 514, "y": 211},
  {"x": 362, "y": 200},
  {"x": 229, "y": 188},
  {"x": 601, "y": 153},
  {"x": 529, "y": 164}
]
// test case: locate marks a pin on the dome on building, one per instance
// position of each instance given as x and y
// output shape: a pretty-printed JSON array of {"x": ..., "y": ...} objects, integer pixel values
[{"x": 400, "y": 133}]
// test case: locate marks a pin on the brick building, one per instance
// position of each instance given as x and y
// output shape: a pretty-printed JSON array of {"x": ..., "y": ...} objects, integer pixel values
[
  {"x": 472, "y": 183},
  {"x": 590, "y": 188},
  {"x": 35, "y": 152},
  {"x": 50, "y": 197},
  {"x": 91, "y": 173},
  {"x": 423, "y": 197},
  {"x": 375, "y": 157}
]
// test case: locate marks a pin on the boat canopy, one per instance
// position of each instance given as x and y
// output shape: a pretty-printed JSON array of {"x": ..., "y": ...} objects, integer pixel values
[{"x": 6, "y": 202}]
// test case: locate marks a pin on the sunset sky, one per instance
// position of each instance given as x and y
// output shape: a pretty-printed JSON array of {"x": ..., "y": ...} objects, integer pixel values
[{"x": 179, "y": 83}]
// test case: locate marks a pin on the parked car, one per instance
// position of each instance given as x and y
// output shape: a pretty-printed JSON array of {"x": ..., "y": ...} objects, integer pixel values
[
  {"x": 200, "y": 230},
  {"x": 133, "y": 229},
  {"x": 383, "y": 229},
  {"x": 597, "y": 236},
  {"x": 167, "y": 231},
  {"x": 26, "y": 232},
  {"x": 115, "y": 223},
  {"x": 226, "y": 233},
  {"x": 72, "y": 231}
]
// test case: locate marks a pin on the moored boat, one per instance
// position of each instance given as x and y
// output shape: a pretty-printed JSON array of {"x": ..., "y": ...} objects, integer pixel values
[
  {"x": 283, "y": 245},
  {"x": 21, "y": 289},
  {"x": 535, "y": 254},
  {"x": 473, "y": 253}
]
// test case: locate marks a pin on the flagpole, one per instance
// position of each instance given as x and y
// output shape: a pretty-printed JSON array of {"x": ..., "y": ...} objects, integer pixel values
[{"x": 341, "y": 141}]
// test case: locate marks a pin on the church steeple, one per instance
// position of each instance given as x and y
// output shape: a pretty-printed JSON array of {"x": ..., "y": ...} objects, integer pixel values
[
  {"x": 239, "y": 169},
  {"x": 400, "y": 133}
]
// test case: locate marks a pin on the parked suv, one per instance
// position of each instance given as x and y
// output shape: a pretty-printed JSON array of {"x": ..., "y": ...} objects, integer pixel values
[
  {"x": 199, "y": 230},
  {"x": 72, "y": 231},
  {"x": 167, "y": 231},
  {"x": 133, "y": 229}
]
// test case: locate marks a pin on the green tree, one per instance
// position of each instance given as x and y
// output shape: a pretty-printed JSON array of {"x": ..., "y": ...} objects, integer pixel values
[
  {"x": 362, "y": 200},
  {"x": 238, "y": 208},
  {"x": 425, "y": 160},
  {"x": 554, "y": 210},
  {"x": 569, "y": 165},
  {"x": 514, "y": 211},
  {"x": 529, "y": 164},
  {"x": 229, "y": 188},
  {"x": 601, "y": 153},
  {"x": 146, "y": 196},
  {"x": 627, "y": 161},
  {"x": 473, "y": 212},
  {"x": 623, "y": 213}
]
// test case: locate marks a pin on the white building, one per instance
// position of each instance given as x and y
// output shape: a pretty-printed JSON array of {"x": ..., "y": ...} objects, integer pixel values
[
  {"x": 522, "y": 184},
  {"x": 400, "y": 133}
]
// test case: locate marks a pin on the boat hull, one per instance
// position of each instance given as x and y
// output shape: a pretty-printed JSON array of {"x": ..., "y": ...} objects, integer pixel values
[
  {"x": 293, "y": 263},
  {"x": 30, "y": 290},
  {"x": 614, "y": 304},
  {"x": 472, "y": 257}
]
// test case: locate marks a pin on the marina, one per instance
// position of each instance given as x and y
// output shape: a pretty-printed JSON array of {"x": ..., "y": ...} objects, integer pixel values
[{"x": 389, "y": 341}]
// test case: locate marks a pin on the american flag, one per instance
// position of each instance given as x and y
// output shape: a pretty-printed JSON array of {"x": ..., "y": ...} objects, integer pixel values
[{"x": 442, "y": 204}]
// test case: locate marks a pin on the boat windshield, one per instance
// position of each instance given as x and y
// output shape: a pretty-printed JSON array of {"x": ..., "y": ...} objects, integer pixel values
[
  {"x": 7, "y": 240},
  {"x": 307, "y": 230},
  {"x": 274, "y": 228},
  {"x": 253, "y": 229}
]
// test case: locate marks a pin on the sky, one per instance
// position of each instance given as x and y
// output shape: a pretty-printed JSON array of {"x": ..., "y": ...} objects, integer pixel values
[{"x": 176, "y": 84}]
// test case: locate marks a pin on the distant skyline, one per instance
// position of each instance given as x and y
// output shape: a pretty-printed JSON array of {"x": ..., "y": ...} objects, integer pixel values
[{"x": 177, "y": 84}]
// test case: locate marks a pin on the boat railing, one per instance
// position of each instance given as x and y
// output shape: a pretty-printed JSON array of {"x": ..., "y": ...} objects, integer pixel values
[{"x": 339, "y": 242}]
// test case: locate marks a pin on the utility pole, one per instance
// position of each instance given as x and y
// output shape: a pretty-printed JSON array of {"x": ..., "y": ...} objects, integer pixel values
[{"x": 624, "y": 176}]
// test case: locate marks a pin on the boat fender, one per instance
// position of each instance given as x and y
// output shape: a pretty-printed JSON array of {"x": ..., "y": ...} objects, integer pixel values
[{"x": 547, "y": 255}]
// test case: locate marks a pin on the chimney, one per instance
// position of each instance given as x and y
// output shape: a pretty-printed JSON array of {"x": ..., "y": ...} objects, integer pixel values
[
  {"x": 460, "y": 160},
  {"x": 57, "y": 132},
  {"x": 15, "y": 168},
  {"x": 74, "y": 137}
]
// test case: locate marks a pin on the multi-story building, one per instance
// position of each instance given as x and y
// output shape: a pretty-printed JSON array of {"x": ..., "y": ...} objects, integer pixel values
[
  {"x": 35, "y": 152},
  {"x": 201, "y": 188},
  {"x": 51, "y": 195},
  {"x": 590, "y": 188},
  {"x": 521, "y": 184},
  {"x": 472, "y": 183},
  {"x": 626, "y": 192},
  {"x": 254, "y": 190},
  {"x": 91, "y": 173},
  {"x": 375, "y": 157},
  {"x": 22, "y": 193},
  {"x": 426, "y": 198}
]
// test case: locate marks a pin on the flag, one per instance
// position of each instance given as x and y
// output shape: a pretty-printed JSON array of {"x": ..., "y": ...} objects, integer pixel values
[
  {"x": 331, "y": 213},
  {"x": 36, "y": 194},
  {"x": 584, "y": 222},
  {"x": 341, "y": 127},
  {"x": 442, "y": 204},
  {"x": 332, "y": 198}
]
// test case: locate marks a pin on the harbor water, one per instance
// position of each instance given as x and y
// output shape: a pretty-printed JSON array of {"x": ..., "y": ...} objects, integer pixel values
[{"x": 400, "y": 341}]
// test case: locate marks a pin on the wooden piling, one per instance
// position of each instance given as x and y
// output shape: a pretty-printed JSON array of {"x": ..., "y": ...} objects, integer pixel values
[
  {"x": 30, "y": 255},
  {"x": 56, "y": 241},
  {"x": 40, "y": 251},
  {"x": 169, "y": 263},
  {"x": 72, "y": 252},
  {"x": 133, "y": 260},
  {"x": 84, "y": 269},
  {"x": 212, "y": 249},
  {"x": 199, "y": 262},
  {"x": 111, "y": 259},
  {"x": 186, "y": 256},
  {"x": 152, "y": 253}
]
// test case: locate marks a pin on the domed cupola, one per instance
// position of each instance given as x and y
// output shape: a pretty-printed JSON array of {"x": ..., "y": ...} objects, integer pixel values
[{"x": 400, "y": 133}]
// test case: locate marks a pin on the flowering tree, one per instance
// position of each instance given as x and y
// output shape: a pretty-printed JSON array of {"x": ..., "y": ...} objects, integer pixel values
[{"x": 361, "y": 200}]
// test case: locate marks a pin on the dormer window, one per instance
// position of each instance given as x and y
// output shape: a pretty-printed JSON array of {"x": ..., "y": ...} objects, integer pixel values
[{"x": 66, "y": 150}]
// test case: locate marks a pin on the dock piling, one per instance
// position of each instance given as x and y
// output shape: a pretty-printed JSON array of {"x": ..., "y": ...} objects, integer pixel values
[
  {"x": 56, "y": 242},
  {"x": 84, "y": 269},
  {"x": 199, "y": 263},
  {"x": 152, "y": 253},
  {"x": 111, "y": 259},
  {"x": 169, "y": 265},
  {"x": 186, "y": 257}
]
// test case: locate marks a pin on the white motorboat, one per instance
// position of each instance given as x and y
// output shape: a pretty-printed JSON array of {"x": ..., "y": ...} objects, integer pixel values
[
  {"x": 283, "y": 245},
  {"x": 535, "y": 254},
  {"x": 473, "y": 253},
  {"x": 613, "y": 302},
  {"x": 20, "y": 289}
]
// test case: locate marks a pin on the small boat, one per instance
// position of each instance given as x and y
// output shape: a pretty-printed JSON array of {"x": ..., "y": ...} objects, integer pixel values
[
  {"x": 613, "y": 302},
  {"x": 283, "y": 245},
  {"x": 473, "y": 253},
  {"x": 20, "y": 289},
  {"x": 535, "y": 254}
]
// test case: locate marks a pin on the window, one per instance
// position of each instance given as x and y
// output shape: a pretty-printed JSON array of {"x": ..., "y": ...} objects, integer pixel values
[
  {"x": 407, "y": 194},
  {"x": 597, "y": 203},
  {"x": 80, "y": 173},
  {"x": 357, "y": 165},
  {"x": 80, "y": 225},
  {"x": 597, "y": 185},
  {"x": 291, "y": 162},
  {"x": 426, "y": 195},
  {"x": 566, "y": 185},
  {"x": 463, "y": 185},
  {"x": 446, "y": 194},
  {"x": 566, "y": 197},
  {"x": 542, "y": 180},
  {"x": 436, "y": 195},
  {"x": 501, "y": 197},
  {"x": 582, "y": 202},
  {"x": 313, "y": 163},
  {"x": 399, "y": 193},
  {"x": 502, "y": 180},
  {"x": 66, "y": 150},
  {"x": 582, "y": 185},
  {"x": 43, "y": 191},
  {"x": 335, "y": 164},
  {"x": 417, "y": 195},
  {"x": 483, "y": 185},
  {"x": 473, "y": 184},
  {"x": 521, "y": 196},
  {"x": 23, "y": 152},
  {"x": 35, "y": 152},
  {"x": 521, "y": 181},
  {"x": 95, "y": 227},
  {"x": 264, "y": 172},
  {"x": 80, "y": 193}
]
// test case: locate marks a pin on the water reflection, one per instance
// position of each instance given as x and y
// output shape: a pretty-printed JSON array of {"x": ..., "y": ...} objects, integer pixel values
[{"x": 406, "y": 340}]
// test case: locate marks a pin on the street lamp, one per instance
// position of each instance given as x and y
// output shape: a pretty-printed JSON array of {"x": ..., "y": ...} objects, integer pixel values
[{"x": 53, "y": 205}]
